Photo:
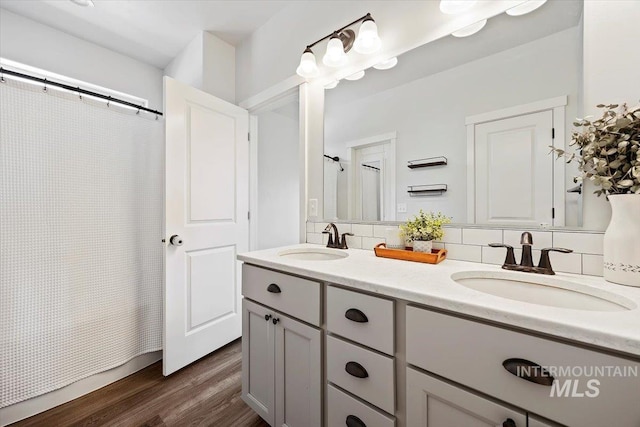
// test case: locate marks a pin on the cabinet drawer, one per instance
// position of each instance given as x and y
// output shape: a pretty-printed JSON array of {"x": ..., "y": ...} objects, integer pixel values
[
  {"x": 378, "y": 385},
  {"x": 342, "y": 406},
  {"x": 292, "y": 295},
  {"x": 362, "y": 318},
  {"x": 473, "y": 354}
]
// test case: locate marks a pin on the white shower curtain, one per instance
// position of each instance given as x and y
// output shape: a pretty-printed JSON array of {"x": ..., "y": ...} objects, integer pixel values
[{"x": 81, "y": 201}]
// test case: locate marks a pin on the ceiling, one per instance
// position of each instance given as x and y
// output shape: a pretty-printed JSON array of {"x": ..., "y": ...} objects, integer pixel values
[{"x": 150, "y": 31}]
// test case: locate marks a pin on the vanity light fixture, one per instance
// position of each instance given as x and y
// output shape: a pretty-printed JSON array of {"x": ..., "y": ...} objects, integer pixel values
[
  {"x": 454, "y": 7},
  {"x": 83, "y": 3},
  {"x": 332, "y": 84},
  {"x": 526, "y": 7},
  {"x": 470, "y": 30},
  {"x": 355, "y": 76},
  {"x": 340, "y": 42},
  {"x": 386, "y": 65}
]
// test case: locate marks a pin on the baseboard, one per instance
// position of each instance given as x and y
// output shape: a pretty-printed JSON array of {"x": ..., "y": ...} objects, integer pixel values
[{"x": 28, "y": 408}]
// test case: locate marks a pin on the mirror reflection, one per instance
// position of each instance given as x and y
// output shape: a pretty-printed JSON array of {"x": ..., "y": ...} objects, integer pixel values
[{"x": 463, "y": 125}]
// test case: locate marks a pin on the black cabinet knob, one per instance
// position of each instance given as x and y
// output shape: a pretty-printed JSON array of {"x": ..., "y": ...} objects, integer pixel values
[
  {"x": 356, "y": 315},
  {"x": 355, "y": 369},
  {"x": 267, "y": 317},
  {"x": 273, "y": 288},
  {"x": 353, "y": 421},
  {"x": 528, "y": 371},
  {"x": 275, "y": 320},
  {"x": 509, "y": 423}
]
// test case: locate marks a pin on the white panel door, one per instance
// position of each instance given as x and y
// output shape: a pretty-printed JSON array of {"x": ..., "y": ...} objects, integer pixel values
[
  {"x": 206, "y": 206},
  {"x": 434, "y": 403},
  {"x": 514, "y": 170}
]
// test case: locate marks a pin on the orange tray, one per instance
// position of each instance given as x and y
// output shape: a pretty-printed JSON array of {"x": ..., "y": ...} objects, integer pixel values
[{"x": 435, "y": 257}]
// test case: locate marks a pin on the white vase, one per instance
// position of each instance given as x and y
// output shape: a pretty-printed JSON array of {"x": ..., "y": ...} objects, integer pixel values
[
  {"x": 622, "y": 241},
  {"x": 422, "y": 246}
]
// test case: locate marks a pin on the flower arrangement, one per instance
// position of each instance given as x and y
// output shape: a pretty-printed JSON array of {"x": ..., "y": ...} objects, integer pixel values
[
  {"x": 425, "y": 226},
  {"x": 608, "y": 150}
]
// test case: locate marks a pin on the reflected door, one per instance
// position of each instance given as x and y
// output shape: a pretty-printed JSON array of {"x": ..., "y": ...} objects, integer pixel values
[
  {"x": 514, "y": 170},
  {"x": 206, "y": 224}
]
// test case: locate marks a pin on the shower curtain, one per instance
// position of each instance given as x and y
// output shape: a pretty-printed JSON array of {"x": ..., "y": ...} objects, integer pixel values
[{"x": 81, "y": 202}]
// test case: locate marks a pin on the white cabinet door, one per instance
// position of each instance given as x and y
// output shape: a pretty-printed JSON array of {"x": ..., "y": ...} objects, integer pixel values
[
  {"x": 206, "y": 205},
  {"x": 434, "y": 403},
  {"x": 258, "y": 385},
  {"x": 514, "y": 170},
  {"x": 298, "y": 374}
]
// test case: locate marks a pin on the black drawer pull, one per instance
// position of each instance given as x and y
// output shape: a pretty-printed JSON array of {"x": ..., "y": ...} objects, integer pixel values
[
  {"x": 273, "y": 288},
  {"x": 353, "y": 421},
  {"x": 356, "y": 315},
  {"x": 529, "y": 371},
  {"x": 509, "y": 423},
  {"x": 356, "y": 369}
]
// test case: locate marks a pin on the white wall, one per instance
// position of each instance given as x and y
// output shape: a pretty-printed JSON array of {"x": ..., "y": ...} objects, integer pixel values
[
  {"x": 611, "y": 74},
  {"x": 429, "y": 114},
  {"x": 278, "y": 179},
  {"x": 207, "y": 63},
  {"x": 37, "y": 45}
]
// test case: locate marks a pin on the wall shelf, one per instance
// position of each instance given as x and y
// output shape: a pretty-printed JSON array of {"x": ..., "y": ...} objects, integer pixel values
[
  {"x": 427, "y": 190},
  {"x": 428, "y": 162}
]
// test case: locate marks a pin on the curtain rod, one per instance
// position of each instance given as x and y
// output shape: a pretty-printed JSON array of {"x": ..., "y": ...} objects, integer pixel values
[{"x": 77, "y": 89}]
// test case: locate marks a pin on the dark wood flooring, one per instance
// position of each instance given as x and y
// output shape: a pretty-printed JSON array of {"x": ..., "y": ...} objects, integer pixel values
[{"x": 205, "y": 393}]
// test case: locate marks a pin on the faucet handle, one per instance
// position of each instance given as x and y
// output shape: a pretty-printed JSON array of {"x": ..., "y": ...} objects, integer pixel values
[
  {"x": 511, "y": 258},
  {"x": 343, "y": 243},
  {"x": 545, "y": 262}
]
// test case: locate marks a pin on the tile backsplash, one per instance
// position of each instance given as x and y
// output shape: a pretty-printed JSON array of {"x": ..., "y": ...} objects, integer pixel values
[{"x": 472, "y": 244}]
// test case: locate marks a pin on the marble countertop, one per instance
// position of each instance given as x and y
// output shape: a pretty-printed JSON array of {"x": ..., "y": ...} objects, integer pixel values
[{"x": 431, "y": 285}]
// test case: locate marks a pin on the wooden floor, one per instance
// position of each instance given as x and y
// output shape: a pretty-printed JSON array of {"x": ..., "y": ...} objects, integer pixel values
[{"x": 205, "y": 393}]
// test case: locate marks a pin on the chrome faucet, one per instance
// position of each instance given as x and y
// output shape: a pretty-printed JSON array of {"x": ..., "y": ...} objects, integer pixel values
[
  {"x": 526, "y": 262},
  {"x": 334, "y": 240}
]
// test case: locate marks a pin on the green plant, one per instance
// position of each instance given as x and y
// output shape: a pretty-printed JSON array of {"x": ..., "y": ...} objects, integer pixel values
[
  {"x": 608, "y": 150},
  {"x": 425, "y": 226}
]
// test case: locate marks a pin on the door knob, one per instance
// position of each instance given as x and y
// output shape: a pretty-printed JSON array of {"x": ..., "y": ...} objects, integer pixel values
[{"x": 175, "y": 240}]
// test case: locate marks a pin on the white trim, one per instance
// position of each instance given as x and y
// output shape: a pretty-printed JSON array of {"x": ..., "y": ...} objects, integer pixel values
[
  {"x": 518, "y": 110},
  {"x": 266, "y": 96},
  {"x": 253, "y": 182},
  {"x": 28, "y": 408},
  {"x": 371, "y": 140},
  {"x": 558, "y": 107}
]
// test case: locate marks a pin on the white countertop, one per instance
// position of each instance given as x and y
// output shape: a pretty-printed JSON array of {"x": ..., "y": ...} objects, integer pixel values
[{"x": 432, "y": 285}]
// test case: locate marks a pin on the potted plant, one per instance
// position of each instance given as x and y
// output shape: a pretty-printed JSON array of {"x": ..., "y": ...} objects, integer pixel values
[
  {"x": 424, "y": 229},
  {"x": 608, "y": 154}
]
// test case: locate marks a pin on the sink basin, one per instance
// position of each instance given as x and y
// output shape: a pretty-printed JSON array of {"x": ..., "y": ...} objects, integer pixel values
[
  {"x": 314, "y": 254},
  {"x": 543, "y": 290}
]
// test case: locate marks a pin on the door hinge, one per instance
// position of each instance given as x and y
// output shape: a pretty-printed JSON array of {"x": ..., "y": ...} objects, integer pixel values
[
  {"x": 553, "y": 133},
  {"x": 249, "y": 215},
  {"x": 249, "y": 136},
  {"x": 553, "y": 213}
]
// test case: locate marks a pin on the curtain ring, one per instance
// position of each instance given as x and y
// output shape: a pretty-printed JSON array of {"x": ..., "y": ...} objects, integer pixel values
[
  {"x": 109, "y": 102},
  {"x": 138, "y": 112},
  {"x": 44, "y": 89},
  {"x": 79, "y": 94},
  {"x": 156, "y": 117}
]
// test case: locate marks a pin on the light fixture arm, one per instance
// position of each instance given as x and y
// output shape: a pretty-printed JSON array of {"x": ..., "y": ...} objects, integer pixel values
[{"x": 366, "y": 17}]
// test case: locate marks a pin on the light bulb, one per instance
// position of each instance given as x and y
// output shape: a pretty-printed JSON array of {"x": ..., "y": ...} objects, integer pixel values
[
  {"x": 471, "y": 29},
  {"x": 335, "y": 56},
  {"x": 368, "y": 40},
  {"x": 453, "y": 7},
  {"x": 332, "y": 84},
  {"x": 385, "y": 65},
  {"x": 356, "y": 76},
  {"x": 308, "y": 67},
  {"x": 526, "y": 7}
]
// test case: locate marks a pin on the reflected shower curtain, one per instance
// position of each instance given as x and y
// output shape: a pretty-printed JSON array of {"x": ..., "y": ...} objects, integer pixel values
[{"x": 81, "y": 201}]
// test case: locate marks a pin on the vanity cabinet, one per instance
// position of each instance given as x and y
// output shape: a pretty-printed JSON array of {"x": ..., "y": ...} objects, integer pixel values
[
  {"x": 281, "y": 356},
  {"x": 435, "y": 403}
]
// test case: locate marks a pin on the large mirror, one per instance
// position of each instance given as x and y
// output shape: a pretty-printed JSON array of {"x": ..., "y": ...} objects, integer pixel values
[{"x": 463, "y": 126}]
